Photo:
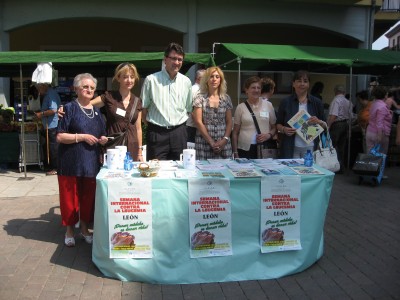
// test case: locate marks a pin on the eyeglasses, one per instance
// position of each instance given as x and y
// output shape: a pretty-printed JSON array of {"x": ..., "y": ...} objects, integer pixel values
[
  {"x": 178, "y": 59},
  {"x": 88, "y": 87},
  {"x": 301, "y": 81}
]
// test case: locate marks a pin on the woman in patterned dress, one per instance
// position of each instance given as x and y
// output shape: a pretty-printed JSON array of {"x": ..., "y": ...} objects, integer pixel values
[
  {"x": 79, "y": 134},
  {"x": 212, "y": 114}
]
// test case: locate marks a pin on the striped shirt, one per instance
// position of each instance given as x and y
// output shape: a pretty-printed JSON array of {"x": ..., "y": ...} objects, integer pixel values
[{"x": 167, "y": 101}]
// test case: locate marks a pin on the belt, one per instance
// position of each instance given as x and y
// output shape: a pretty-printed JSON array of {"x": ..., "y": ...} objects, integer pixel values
[
  {"x": 344, "y": 120},
  {"x": 157, "y": 127}
]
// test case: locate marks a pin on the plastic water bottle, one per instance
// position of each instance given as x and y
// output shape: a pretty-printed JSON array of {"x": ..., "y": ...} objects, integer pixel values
[
  {"x": 128, "y": 162},
  {"x": 308, "y": 159}
]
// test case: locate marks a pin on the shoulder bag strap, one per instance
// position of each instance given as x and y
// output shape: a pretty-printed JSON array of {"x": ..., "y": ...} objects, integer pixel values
[
  {"x": 253, "y": 116},
  {"x": 133, "y": 109},
  {"x": 132, "y": 112}
]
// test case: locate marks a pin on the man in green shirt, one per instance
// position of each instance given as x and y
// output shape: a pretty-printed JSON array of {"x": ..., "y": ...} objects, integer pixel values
[{"x": 167, "y": 100}]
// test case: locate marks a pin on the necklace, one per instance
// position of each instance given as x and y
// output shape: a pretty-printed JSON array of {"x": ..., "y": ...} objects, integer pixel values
[
  {"x": 254, "y": 105},
  {"x": 89, "y": 115}
]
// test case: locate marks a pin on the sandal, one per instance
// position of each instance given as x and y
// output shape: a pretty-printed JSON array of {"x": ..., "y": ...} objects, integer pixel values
[
  {"x": 51, "y": 172},
  {"x": 88, "y": 238},
  {"x": 69, "y": 241}
]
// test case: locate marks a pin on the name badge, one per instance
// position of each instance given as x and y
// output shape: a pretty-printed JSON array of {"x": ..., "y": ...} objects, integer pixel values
[
  {"x": 264, "y": 114},
  {"x": 121, "y": 112}
]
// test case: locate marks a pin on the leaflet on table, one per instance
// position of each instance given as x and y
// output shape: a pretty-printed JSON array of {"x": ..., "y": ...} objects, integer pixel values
[
  {"x": 236, "y": 165},
  {"x": 270, "y": 165},
  {"x": 117, "y": 174},
  {"x": 210, "y": 217},
  {"x": 280, "y": 213},
  {"x": 221, "y": 161},
  {"x": 302, "y": 170},
  {"x": 267, "y": 171},
  {"x": 292, "y": 162},
  {"x": 208, "y": 167},
  {"x": 242, "y": 173},
  {"x": 258, "y": 161},
  {"x": 130, "y": 218},
  {"x": 308, "y": 132},
  {"x": 212, "y": 174}
]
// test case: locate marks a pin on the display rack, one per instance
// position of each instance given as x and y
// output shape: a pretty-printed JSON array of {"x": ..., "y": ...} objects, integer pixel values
[{"x": 33, "y": 153}]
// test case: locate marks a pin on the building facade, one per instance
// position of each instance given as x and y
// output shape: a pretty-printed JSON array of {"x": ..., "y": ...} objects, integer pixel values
[{"x": 137, "y": 26}]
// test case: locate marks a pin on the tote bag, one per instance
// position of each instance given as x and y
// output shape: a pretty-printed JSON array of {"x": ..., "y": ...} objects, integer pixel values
[{"x": 326, "y": 156}]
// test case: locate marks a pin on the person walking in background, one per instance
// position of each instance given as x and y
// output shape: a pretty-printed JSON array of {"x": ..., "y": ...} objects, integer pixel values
[
  {"x": 212, "y": 115},
  {"x": 380, "y": 121},
  {"x": 317, "y": 90},
  {"x": 363, "y": 114},
  {"x": 245, "y": 136},
  {"x": 190, "y": 125},
  {"x": 393, "y": 103},
  {"x": 291, "y": 145},
  {"x": 267, "y": 88},
  {"x": 48, "y": 115},
  {"x": 79, "y": 133},
  {"x": 339, "y": 119},
  {"x": 167, "y": 100},
  {"x": 267, "y": 91}
]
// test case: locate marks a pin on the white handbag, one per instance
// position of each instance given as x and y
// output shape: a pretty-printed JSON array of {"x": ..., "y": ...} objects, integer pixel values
[{"x": 325, "y": 156}]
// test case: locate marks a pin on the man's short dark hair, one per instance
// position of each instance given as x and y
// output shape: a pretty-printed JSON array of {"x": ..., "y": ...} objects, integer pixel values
[{"x": 174, "y": 47}]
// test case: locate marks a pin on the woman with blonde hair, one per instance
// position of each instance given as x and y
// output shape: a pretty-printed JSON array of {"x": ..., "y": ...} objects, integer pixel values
[
  {"x": 119, "y": 106},
  {"x": 212, "y": 114}
]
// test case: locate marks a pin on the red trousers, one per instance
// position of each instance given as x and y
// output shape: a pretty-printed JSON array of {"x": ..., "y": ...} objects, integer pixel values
[{"x": 77, "y": 195}]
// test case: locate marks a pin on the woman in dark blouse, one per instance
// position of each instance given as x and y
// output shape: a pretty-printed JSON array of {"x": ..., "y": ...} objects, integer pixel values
[
  {"x": 79, "y": 134},
  {"x": 118, "y": 106}
]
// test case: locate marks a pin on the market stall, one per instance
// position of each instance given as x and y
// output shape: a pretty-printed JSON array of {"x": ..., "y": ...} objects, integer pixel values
[
  {"x": 171, "y": 260},
  {"x": 23, "y": 64},
  {"x": 264, "y": 57}
]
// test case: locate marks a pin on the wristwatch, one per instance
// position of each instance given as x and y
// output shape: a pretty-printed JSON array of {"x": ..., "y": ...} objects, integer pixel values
[{"x": 227, "y": 138}]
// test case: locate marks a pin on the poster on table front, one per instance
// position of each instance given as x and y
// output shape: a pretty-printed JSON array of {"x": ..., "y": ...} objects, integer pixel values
[
  {"x": 280, "y": 213},
  {"x": 130, "y": 218},
  {"x": 210, "y": 217}
]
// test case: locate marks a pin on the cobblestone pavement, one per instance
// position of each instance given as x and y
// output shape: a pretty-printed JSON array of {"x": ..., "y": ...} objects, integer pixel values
[{"x": 361, "y": 258}]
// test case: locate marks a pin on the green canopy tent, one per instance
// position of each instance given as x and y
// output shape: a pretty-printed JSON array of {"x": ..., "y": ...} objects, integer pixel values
[
  {"x": 23, "y": 63},
  {"x": 73, "y": 63},
  {"x": 259, "y": 57}
]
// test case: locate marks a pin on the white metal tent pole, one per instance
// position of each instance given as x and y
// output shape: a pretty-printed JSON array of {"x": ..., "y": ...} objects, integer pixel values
[
  {"x": 23, "y": 117},
  {"x": 350, "y": 120},
  {"x": 239, "y": 90}
]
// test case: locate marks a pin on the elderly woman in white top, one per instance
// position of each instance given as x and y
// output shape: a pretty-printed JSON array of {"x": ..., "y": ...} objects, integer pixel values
[{"x": 245, "y": 136}]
